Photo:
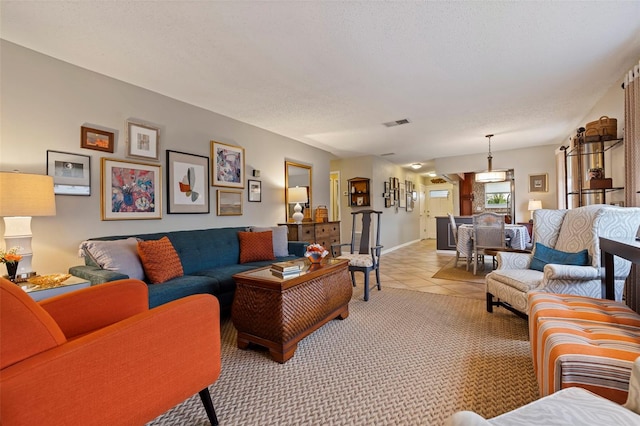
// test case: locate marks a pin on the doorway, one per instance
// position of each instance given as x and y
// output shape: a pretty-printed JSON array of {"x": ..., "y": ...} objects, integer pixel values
[
  {"x": 439, "y": 203},
  {"x": 334, "y": 196}
]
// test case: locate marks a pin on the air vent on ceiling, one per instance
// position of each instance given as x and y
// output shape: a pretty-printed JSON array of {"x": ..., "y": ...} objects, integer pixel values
[
  {"x": 387, "y": 154},
  {"x": 397, "y": 122}
]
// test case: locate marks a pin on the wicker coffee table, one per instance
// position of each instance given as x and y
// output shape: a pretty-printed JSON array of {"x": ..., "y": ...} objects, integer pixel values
[{"x": 277, "y": 313}]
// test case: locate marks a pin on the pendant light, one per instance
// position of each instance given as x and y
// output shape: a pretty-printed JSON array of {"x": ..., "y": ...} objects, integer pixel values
[{"x": 490, "y": 176}]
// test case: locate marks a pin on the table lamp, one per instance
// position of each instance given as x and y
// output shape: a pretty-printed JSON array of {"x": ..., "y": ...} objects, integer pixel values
[
  {"x": 534, "y": 205},
  {"x": 297, "y": 195},
  {"x": 22, "y": 196}
]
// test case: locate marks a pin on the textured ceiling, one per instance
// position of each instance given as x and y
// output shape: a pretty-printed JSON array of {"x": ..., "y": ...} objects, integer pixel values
[{"x": 330, "y": 73}]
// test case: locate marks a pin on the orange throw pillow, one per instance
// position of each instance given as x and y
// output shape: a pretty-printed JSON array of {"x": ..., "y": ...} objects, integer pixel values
[
  {"x": 256, "y": 246},
  {"x": 159, "y": 260}
]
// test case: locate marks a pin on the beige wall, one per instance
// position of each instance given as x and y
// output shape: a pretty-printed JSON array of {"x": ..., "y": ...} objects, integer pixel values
[
  {"x": 44, "y": 102},
  {"x": 524, "y": 162}
]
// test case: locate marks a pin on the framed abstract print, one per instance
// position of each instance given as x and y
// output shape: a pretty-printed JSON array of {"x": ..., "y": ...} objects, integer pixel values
[
  {"x": 187, "y": 183},
  {"x": 228, "y": 165},
  {"x": 130, "y": 190}
]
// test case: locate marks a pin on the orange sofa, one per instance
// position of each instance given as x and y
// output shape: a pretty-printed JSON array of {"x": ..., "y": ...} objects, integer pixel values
[{"x": 99, "y": 356}]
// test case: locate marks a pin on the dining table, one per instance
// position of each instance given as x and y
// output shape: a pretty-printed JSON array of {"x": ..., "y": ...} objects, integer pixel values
[{"x": 518, "y": 236}]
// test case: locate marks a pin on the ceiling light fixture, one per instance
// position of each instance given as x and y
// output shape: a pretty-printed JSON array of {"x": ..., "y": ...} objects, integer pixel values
[
  {"x": 416, "y": 166},
  {"x": 490, "y": 176}
]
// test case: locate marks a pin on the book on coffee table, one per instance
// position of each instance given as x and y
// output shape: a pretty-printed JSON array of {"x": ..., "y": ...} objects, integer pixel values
[
  {"x": 284, "y": 267},
  {"x": 287, "y": 274}
]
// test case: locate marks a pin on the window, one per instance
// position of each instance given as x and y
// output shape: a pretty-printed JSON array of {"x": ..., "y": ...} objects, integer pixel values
[
  {"x": 497, "y": 195},
  {"x": 439, "y": 193}
]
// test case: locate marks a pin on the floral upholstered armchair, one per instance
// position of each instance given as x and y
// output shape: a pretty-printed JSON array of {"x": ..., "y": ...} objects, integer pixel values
[{"x": 566, "y": 256}]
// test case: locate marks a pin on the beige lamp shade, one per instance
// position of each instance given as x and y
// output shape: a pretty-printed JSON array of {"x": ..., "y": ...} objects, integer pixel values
[
  {"x": 534, "y": 205},
  {"x": 297, "y": 195},
  {"x": 23, "y": 194}
]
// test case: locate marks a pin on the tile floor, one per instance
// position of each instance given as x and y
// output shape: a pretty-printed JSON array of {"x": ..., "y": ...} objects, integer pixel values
[{"x": 412, "y": 268}]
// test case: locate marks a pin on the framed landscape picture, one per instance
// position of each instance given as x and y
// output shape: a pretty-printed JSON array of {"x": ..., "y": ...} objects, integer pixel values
[
  {"x": 142, "y": 141},
  {"x": 229, "y": 203},
  {"x": 228, "y": 165},
  {"x": 187, "y": 183},
  {"x": 130, "y": 190},
  {"x": 71, "y": 173},
  {"x": 99, "y": 140}
]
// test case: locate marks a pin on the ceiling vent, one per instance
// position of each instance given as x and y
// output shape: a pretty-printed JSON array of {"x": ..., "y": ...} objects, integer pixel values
[
  {"x": 396, "y": 123},
  {"x": 387, "y": 154}
]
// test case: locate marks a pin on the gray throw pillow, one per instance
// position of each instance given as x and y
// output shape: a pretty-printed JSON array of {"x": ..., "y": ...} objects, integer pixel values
[
  {"x": 280, "y": 238},
  {"x": 117, "y": 255}
]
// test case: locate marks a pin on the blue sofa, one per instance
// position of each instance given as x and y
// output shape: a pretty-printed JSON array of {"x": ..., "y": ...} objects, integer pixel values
[{"x": 209, "y": 259}]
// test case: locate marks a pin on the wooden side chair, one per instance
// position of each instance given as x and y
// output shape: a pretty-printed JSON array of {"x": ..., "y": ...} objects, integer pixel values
[{"x": 363, "y": 257}]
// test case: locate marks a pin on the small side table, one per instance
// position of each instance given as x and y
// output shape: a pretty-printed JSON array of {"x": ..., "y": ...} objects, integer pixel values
[{"x": 72, "y": 283}]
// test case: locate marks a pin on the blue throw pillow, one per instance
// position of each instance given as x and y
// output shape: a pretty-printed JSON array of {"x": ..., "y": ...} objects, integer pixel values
[{"x": 544, "y": 255}]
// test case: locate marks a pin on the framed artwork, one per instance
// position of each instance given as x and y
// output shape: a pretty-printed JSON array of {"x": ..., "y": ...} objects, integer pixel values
[
  {"x": 255, "y": 191},
  {"x": 142, "y": 141},
  {"x": 130, "y": 190},
  {"x": 402, "y": 197},
  {"x": 71, "y": 173},
  {"x": 539, "y": 183},
  {"x": 187, "y": 183},
  {"x": 228, "y": 165},
  {"x": 385, "y": 194},
  {"x": 229, "y": 203},
  {"x": 97, "y": 139}
]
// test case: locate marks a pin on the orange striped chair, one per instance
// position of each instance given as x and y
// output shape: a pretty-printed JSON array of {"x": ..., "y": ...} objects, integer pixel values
[{"x": 582, "y": 341}]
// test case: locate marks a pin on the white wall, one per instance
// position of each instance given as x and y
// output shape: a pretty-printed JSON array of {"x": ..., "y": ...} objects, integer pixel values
[{"x": 44, "y": 102}]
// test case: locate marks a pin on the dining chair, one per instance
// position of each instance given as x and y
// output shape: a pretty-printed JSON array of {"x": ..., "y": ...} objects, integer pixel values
[
  {"x": 489, "y": 234},
  {"x": 454, "y": 231}
]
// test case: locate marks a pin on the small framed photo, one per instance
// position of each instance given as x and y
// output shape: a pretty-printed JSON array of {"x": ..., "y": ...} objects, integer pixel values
[
  {"x": 97, "y": 139},
  {"x": 130, "y": 190},
  {"x": 539, "y": 183},
  {"x": 142, "y": 141},
  {"x": 187, "y": 183},
  {"x": 227, "y": 164},
  {"x": 229, "y": 203},
  {"x": 71, "y": 173},
  {"x": 255, "y": 191}
]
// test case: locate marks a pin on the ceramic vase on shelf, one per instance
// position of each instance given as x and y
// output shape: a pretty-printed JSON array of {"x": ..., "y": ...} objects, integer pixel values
[{"x": 12, "y": 269}]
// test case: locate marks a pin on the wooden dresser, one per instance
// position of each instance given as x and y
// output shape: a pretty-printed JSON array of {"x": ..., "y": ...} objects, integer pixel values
[{"x": 325, "y": 234}]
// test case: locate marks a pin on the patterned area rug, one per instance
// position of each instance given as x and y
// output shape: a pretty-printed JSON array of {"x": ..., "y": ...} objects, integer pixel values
[
  {"x": 459, "y": 273},
  {"x": 403, "y": 358}
]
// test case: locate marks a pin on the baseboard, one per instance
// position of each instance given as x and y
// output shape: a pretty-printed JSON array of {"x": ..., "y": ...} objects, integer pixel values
[{"x": 400, "y": 246}]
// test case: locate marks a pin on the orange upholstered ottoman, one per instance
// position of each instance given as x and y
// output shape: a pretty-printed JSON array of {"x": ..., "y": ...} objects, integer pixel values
[{"x": 585, "y": 342}]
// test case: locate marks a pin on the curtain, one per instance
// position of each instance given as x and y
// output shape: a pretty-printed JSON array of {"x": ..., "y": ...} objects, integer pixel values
[{"x": 632, "y": 167}]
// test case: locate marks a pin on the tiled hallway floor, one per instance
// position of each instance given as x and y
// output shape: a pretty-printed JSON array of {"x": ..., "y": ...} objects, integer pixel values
[{"x": 412, "y": 267}]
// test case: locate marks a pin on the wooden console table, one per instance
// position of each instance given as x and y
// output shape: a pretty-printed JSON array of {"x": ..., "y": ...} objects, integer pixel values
[
  {"x": 323, "y": 233},
  {"x": 277, "y": 313},
  {"x": 627, "y": 248}
]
